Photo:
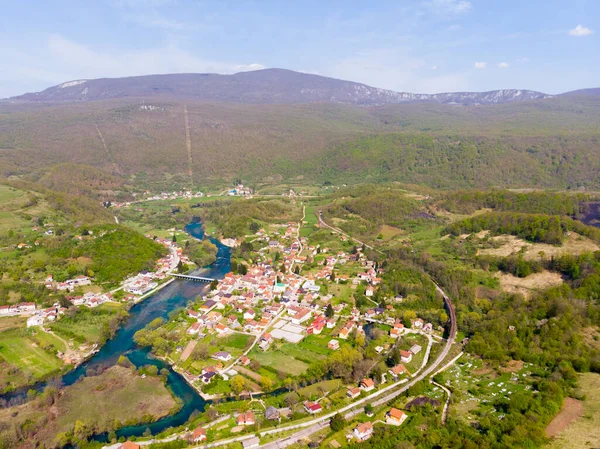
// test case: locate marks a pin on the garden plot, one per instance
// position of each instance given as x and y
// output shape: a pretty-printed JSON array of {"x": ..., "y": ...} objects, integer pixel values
[
  {"x": 475, "y": 388},
  {"x": 289, "y": 332}
]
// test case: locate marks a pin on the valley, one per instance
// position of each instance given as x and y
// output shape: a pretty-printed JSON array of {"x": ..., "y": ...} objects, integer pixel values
[{"x": 221, "y": 261}]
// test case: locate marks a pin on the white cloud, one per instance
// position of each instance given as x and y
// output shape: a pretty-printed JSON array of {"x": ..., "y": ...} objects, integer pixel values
[
  {"x": 523, "y": 60},
  {"x": 480, "y": 65},
  {"x": 503, "y": 65},
  {"x": 249, "y": 67},
  {"x": 579, "y": 31},
  {"x": 449, "y": 7}
]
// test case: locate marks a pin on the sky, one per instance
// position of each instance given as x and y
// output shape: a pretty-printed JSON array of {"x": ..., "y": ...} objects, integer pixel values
[{"x": 421, "y": 46}]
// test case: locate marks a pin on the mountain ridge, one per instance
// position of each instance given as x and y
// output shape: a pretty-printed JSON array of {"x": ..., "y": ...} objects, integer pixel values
[{"x": 268, "y": 86}]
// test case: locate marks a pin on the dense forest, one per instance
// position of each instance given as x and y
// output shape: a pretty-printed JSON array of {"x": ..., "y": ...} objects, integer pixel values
[
  {"x": 550, "y": 229},
  {"x": 551, "y": 203}
]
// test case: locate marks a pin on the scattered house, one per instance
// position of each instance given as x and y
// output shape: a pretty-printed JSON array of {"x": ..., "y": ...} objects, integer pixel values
[
  {"x": 395, "y": 417},
  {"x": 398, "y": 370},
  {"x": 363, "y": 431},
  {"x": 272, "y": 414},
  {"x": 198, "y": 435},
  {"x": 251, "y": 443},
  {"x": 367, "y": 384},
  {"x": 312, "y": 407},
  {"x": 245, "y": 419},
  {"x": 244, "y": 361},
  {"x": 353, "y": 393},
  {"x": 428, "y": 327},
  {"x": 405, "y": 356},
  {"x": 223, "y": 356},
  {"x": 333, "y": 345}
]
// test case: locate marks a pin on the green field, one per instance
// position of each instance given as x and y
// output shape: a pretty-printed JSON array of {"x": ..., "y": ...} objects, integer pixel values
[
  {"x": 310, "y": 220},
  {"x": 32, "y": 354},
  {"x": 279, "y": 361}
]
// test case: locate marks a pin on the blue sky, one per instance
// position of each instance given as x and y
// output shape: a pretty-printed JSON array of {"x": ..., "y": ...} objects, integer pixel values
[{"x": 415, "y": 46}]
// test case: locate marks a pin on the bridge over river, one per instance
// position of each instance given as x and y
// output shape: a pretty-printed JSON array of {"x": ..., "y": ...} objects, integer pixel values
[{"x": 192, "y": 278}]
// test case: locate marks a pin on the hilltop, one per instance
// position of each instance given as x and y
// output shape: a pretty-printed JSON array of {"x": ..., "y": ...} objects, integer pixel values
[{"x": 269, "y": 86}]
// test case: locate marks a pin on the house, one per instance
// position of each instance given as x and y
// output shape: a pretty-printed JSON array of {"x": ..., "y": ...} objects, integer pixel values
[
  {"x": 405, "y": 356},
  {"x": 395, "y": 417},
  {"x": 245, "y": 419},
  {"x": 398, "y": 370},
  {"x": 312, "y": 407},
  {"x": 353, "y": 393},
  {"x": 198, "y": 435},
  {"x": 363, "y": 431},
  {"x": 344, "y": 333},
  {"x": 207, "y": 377},
  {"x": 193, "y": 329},
  {"x": 129, "y": 445},
  {"x": 333, "y": 345},
  {"x": 395, "y": 332},
  {"x": 193, "y": 314},
  {"x": 251, "y": 443},
  {"x": 249, "y": 314},
  {"x": 272, "y": 414},
  {"x": 418, "y": 323},
  {"x": 265, "y": 341},
  {"x": 223, "y": 356},
  {"x": 367, "y": 384},
  {"x": 428, "y": 327},
  {"x": 244, "y": 361},
  {"x": 221, "y": 329}
]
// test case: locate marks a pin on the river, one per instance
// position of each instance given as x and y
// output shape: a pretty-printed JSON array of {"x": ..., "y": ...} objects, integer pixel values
[{"x": 159, "y": 305}]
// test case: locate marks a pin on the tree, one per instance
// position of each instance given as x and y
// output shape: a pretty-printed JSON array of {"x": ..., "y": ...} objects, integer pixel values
[
  {"x": 329, "y": 311},
  {"x": 337, "y": 422},
  {"x": 332, "y": 277},
  {"x": 266, "y": 383},
  {"x": 214, "y": 284},
  {"x": 297, "y": 269},
  {"x": 180, "y": 267},
  {"x": 238, "y": 383},
  {"x": 174, "y": 240}
]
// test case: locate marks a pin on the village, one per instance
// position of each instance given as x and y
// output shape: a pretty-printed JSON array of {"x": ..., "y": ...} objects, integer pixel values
[
  {"x": 132, "y": 289},
  {"x": 259, "y": 331}
]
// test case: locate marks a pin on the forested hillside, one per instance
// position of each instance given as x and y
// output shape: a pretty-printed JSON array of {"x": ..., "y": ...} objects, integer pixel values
[{"x": 543, "y": 143}]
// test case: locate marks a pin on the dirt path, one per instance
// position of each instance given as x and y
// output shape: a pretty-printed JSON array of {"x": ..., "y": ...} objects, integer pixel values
[
  {"x": 572, "y": 409},
  {"x": 116, "y": 167},
  {"x": 188, "y": 143}
]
